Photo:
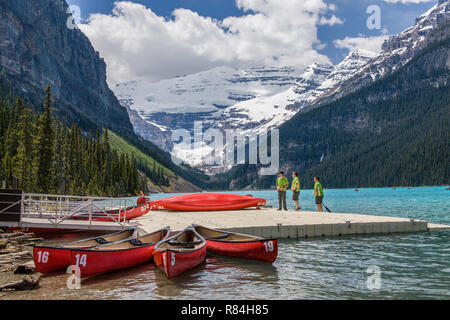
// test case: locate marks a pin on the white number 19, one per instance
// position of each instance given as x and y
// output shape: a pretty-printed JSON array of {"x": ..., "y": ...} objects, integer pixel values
[{"x": 269, "y": 246}]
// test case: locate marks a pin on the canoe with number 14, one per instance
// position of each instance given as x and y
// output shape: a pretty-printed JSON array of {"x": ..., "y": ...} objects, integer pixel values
[
  {"x": 118, "y": 255},
  {"x": 49, "y": 259}
]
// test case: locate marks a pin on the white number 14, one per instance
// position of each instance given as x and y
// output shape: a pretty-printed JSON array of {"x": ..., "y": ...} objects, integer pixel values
[{"x": 81, "y": 260}]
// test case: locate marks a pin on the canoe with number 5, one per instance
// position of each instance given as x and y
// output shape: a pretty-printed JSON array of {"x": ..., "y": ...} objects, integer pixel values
[
  {"x": 118, "y": 255},
  {"x": 239, "y": 245},
  {"x": 180, "y": 253},
  {"x": 54, "y": 258}
]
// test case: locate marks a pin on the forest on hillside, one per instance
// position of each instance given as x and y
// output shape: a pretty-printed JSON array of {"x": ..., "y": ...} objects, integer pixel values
[
  {"x": 38, "y": 153},
  {"x": 395, "y": 132}
]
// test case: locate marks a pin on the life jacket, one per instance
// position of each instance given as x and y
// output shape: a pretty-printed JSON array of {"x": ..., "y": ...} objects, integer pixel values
[{"x": 142, "y": 200}]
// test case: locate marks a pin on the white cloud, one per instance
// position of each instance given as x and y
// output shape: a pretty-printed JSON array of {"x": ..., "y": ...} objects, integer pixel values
[
  {"x": 372, "y": 44},
  {"x": 409, "y": 1},
  {"x": 137, "y": 44},
  {"x": 331, "y": 21}
]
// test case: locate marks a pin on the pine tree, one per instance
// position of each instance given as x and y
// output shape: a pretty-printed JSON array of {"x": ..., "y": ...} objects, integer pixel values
[
  {"x": 25, "y": 157},
  {"x": 45, "y": 152}
]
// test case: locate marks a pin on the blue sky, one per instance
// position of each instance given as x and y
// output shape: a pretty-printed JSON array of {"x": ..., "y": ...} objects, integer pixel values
[{"x": 395, "y": 17}]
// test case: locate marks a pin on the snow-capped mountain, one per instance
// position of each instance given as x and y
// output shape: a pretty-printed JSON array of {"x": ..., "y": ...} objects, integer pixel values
[
  {"x": 208, "y": 91},
  {"x": 262, "y": 114},
  {"x": 250, "y": 101},
  {"x": 256, "y": 100},
  {"x": 397, "y": 50},
  {"x": 266, "y": 112},
  {"x": 157, "y": 108}
]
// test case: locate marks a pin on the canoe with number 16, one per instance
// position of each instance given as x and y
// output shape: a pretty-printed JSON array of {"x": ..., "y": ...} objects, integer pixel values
[{"x": 49, "y": 259}]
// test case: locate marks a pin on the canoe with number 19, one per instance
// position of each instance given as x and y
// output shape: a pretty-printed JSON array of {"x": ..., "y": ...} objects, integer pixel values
[{"x": 238, "y": 245}]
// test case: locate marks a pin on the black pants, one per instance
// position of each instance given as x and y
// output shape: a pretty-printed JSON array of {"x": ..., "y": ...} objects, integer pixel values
[{"x": 282, "y": 200}]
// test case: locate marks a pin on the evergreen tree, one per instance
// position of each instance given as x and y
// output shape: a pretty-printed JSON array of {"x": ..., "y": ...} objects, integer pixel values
[
  {"x": 24, "y": 159},
  {"x": 45, "y": 151}
]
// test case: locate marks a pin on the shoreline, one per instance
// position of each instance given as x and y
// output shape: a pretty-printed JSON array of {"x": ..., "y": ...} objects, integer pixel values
[
  {"x": 17, "y": 269},
  {"x": 261, "y": 190}
]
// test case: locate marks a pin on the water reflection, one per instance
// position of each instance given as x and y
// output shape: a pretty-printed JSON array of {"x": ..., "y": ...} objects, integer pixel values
[{"x": 413, "y": 266}]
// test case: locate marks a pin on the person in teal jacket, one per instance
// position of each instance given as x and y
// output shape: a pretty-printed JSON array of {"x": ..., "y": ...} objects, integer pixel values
[{"x": 282, "y": 185}]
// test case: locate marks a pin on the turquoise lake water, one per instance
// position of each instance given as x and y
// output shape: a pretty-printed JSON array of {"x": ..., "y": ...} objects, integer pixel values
[
  {"x": 412, "y": 266},
  {"x": 428, "y": 203}
]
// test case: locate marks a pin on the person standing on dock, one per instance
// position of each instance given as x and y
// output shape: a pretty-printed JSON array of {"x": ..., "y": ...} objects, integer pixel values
[
  {"x": 296, "y": 190},
  {"x": 282, "y": 185},
  {"x": 318, "y": 192},
  {"x": 143, "y": 199}
]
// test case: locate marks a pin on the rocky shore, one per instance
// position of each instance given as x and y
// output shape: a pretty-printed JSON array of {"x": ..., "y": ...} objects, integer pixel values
[{"x": 17, "y": 271}]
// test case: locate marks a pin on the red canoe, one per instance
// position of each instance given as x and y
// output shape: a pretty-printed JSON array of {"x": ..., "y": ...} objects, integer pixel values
[
  {"x": 117, "y": 255},
  {"x": 116, "y": 215},
  {"x": 239, "y": 245},
  {"x": 53, "y": 258},
  {"x": 208, "y": 202},
  {"x": 180, "y": 253}
]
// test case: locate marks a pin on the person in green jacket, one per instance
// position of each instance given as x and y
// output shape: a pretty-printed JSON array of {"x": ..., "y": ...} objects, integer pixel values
[
  {"x": 282, "y": 185},
  {"x": 318, "y": 192},
  {"x": 296, "y": 190}
]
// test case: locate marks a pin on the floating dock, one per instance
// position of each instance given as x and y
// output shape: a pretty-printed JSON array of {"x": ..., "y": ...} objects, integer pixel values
[
  {"x": 270, "y": 223},
  {"x": 54, "y": 213},
  {"x": 47, "y": 225}
]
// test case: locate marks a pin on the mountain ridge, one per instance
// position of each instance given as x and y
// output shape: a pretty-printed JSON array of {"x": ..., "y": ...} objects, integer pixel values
[
  {"x": 38, "y": 49},
  {"x": 312, "y": 89}
]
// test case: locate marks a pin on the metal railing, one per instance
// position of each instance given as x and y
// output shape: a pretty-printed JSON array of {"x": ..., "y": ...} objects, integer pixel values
[{"x": 58, "y": 208}]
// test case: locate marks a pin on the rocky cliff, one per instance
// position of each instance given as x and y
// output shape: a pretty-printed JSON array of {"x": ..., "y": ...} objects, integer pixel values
[{"x": 37, "y": 48}]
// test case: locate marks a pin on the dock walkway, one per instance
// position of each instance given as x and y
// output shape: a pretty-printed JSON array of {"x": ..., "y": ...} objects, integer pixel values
[{"x": 269, "y": 223}]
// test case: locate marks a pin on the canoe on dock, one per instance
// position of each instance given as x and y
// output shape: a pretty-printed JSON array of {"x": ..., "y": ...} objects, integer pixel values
[
  {"x": 118, "y": 215},
  {"x": 239, "y": 245},
  {"x": 180, "y": 253},
  {"x": 118, "y": 255},
  {"x": 208, "y": 202},
  {"x": 49, "y": 259}
]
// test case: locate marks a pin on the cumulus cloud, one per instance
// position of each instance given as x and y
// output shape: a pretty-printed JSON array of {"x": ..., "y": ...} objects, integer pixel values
[
  {"x": 372, "y": 44},
  {"x": 137, "y": 44},
  {"x": 409, "y": 1},
  {"x": 333, "y": 20}
]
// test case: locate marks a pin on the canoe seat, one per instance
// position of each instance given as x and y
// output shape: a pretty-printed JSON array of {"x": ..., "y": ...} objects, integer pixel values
[
  {"x": 184, "y": 244},
  {"x": 220, "y": 236},
  {"x": 136, "y": 242},
  {"x": 101, "y": 241}
]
